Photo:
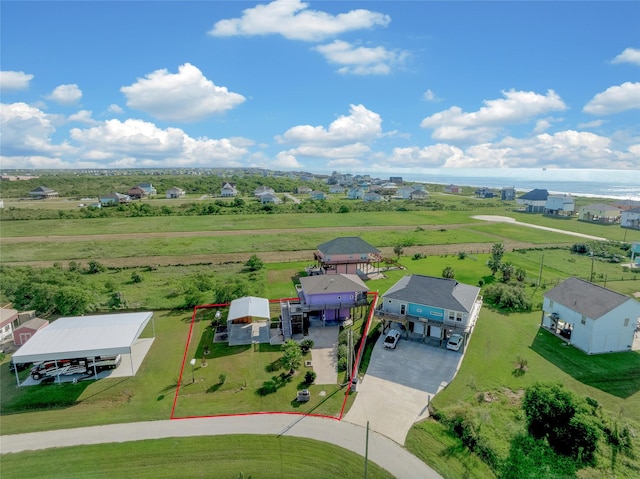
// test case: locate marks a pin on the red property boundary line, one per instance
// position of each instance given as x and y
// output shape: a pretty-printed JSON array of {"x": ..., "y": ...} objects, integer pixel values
[{"x": 354, "y": 371}]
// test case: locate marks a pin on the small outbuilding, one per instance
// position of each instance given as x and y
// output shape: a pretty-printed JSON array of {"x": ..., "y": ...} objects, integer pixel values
[
  {"x": 243, "y": 310},
  {"x": 23, "y": 333}
]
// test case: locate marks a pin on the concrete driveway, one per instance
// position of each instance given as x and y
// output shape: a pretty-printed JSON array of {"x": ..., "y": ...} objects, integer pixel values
[
  {"x": 324, "y": 354},
  {"x": 398, "y": 385}
]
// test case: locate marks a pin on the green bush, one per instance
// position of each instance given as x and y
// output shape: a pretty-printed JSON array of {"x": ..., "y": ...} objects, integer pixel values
[{"x": 309, "y": 377}]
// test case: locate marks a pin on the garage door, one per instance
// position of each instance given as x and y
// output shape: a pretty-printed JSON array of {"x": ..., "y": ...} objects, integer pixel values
[{"x": 435, "y": 332}]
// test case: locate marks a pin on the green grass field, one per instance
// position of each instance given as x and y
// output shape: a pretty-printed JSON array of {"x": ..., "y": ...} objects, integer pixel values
[
  {"x": 224, "y": 457},
  {"x": 613, "y": 380}
]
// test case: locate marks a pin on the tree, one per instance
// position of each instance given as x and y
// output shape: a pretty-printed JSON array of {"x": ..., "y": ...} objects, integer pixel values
[
  {"x": 398, "y": 250},
  {"x": 95, "y": 267},
  {"x": 292, "y": 355},
  {"x": 253, "y": 264},
  {"x": 448, "y": 272},
  {"x": 562, "y": 418},
  {"x": 521, "y": 274},
  {"x": 495, "y": 261},
  {"x": 507, "y": 270}
]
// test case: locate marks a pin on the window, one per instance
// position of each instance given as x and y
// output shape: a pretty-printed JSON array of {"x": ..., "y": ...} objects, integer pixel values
[
  {"x": 338, "y": 298},
  {"x": 626, "y": 322},
  {"x": 452, "y": 316},
  {"x": 583, "y": 320},
  {"x": 551, "y": 303},
  {"x": 458, "y": 316}
]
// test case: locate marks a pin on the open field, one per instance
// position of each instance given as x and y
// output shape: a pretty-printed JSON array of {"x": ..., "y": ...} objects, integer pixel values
[
  {"x": 286, "y": 243},
  {"x": 207, "y": 456}
]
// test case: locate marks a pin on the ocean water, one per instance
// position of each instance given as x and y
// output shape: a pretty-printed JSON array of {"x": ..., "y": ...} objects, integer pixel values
[{"x": 614, "y": 184}]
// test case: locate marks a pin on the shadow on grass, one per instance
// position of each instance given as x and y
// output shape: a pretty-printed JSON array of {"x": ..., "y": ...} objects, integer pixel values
[
  {"x": 49, "y": 396},
  {"x": 275, "y": 383},
  {"x": 214, "y": 388},
  {"x": 274, "y": 366},
  {"x": 614, "y": 373}
]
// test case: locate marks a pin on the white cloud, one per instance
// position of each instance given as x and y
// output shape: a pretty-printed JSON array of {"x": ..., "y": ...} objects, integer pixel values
[
  {"x": 66, "y": 94},
  {"x": 359, "y": 126},
  {"x": 10, "y": 80},
  {"x": 483, "y": 125},
  {"x": 286, "y": 160},
  {"x": 360, "y": 60},
  {"x": 83, "y": 116},
  {"x": 429, "y": 95},
  {"x": 629, "y": 55},
  {"x": 615, "y": 99},
  {"x": 116, "y": 109},
  {"x": 293, "y": 20},
  {"x": 36, "y": 162},
  {"x": 26, "y": 131},
  {"x": 591, "y": 124},
  {"x": 426, "y": 157},
  {"x": 140, "y": 143},
  {"x": 184, "y": 96}
]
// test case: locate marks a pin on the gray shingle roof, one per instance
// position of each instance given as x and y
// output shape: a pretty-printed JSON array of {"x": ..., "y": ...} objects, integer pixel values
[
  {"x": 333, "y": 283},
  {"x": 431, "y": 291},
  {"x": 535, "y": 195},
  {"x": 347, "y": 245},
  {"x": 586, "y": 298}
]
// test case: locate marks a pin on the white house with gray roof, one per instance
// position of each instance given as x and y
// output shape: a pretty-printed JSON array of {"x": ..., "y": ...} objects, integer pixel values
[
  {"x": 591, "y": 317},
  {"x": 428, "y": 306}
]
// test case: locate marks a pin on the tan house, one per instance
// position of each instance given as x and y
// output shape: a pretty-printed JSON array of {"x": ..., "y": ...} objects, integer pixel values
[{"x": 599, "y": 213}]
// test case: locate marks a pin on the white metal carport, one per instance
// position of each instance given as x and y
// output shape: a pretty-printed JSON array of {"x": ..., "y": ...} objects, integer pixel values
[
  {"x": 249, "y": 306},
  {"x": 85, "y": 337}
]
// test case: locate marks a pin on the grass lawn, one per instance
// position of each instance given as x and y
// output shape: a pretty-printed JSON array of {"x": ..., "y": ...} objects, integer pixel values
[
  {"x": 254, "y": 381},
  {"x": 208, "y": 456},
  {"x": 488, "y": 386}
]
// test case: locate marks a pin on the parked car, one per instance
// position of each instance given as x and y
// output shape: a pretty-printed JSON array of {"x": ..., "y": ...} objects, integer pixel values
[
  {"x": 455, "y": 342},
  {"x": 391, "y": 340}
]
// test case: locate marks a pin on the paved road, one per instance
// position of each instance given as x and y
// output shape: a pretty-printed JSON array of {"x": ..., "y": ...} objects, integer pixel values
[{"x": 382, "y": 450}]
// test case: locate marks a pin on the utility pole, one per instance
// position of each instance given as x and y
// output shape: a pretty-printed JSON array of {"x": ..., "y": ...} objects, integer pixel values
[
  {"x": 540, "y": 277},
  {"x": 591, "y": 275},
  {"x": 366, "y": 452}
]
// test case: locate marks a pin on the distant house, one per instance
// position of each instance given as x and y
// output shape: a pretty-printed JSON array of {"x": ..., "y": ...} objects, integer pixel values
[
  {"x": 630, "y": 219},
  {"x": 346, "y": 255},
  {"x": 533, "y": 201},
  {"x": 454, "y": 189},
  {"x": 330, "y": 297},
  {"x": 396, "y": 180},
  {"x": 419, "y": 195},
  {"x": 428, "y": 306},
  {"x": 43, "y": 193},
  {"x": 269, "y": 198},
  {"x": 175, "y": 192},
  {"x": 23, "y": 333},
  {"x": 112, "y": 199},
  {"x": 592, "y": 318},
  {"x": 508, "y": 193},
  {"x": 136, "y": 193},
  {"x": 148, "y": 189},
  {"x": 355, "y": 193},
  {"x": 303, "y": 190},
  {"x": 371, "y": 196},
  {"x": 336, "y": 189},
  {"x": 599, "y": 213},
  {"x": 8, "y": 319},
  {"x": 388, "y": 188},
  {"x": 228, "y": 190},
  {"x": 261, "y": 190},
  {"x": 560, "y": 205},
  {"x": 404, "y": 192},
  {"x": 318, "y": 195},
  {"x": 485, "y": 193}
]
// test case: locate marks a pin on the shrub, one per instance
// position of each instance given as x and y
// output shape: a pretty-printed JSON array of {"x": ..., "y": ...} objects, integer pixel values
[
  {"x": 306, "y": 345},
  {"x": 417, "y": 256},
  {"x": 309, "y": 377},
  {"x": 462, "y": 255},
  {"x": 222, "y": 378},
  {"x": 136, "y": 277}
]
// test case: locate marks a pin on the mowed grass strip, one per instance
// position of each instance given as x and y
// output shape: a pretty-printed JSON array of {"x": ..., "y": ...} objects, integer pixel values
[{"x": 221, "y": 457}]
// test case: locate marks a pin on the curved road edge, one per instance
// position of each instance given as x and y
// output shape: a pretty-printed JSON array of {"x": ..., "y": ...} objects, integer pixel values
[{"x": 382, "y": 451}]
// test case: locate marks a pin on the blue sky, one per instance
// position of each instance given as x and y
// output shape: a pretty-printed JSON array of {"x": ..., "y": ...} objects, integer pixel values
[{"x": 367, "y": 86}]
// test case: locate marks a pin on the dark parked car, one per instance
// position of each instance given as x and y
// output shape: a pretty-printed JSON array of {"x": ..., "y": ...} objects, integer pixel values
[{"x": 565, "y": 333}]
